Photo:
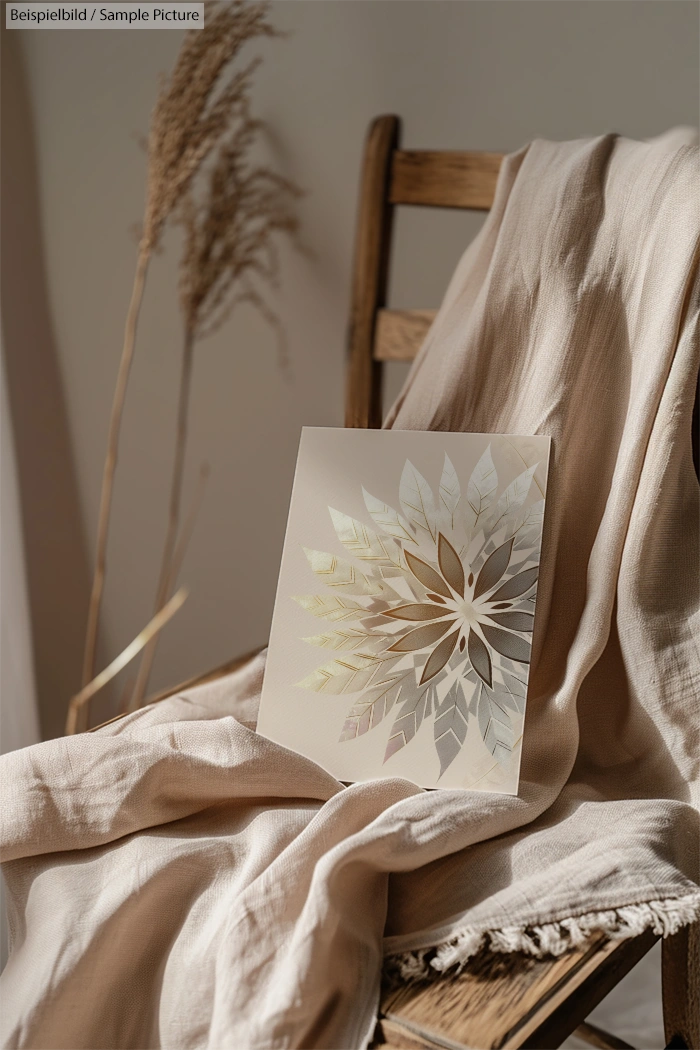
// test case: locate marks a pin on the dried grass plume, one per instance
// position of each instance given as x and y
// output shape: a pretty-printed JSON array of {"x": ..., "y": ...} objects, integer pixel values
[
  {"x": 231, "y": 218},
  {"x": 197, "y": 106}
]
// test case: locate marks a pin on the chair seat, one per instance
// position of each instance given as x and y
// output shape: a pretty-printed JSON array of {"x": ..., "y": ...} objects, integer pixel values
[{"x": 507, "y": 1001}]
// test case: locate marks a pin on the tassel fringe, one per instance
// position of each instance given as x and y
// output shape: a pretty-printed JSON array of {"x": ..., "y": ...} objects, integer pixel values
[{"x": 664, "y": 917}]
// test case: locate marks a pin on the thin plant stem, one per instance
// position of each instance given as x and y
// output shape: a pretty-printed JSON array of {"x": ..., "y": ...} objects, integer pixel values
[
  {"x": 188, "y": 528},
  {"x": 164, "y": 579},
  {"x": 83, "y": 698},
  {"x": 110, "y": 465}
]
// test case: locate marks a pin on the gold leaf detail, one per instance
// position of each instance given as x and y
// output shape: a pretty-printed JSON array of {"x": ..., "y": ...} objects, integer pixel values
[
  {"x": 451, "y": 565},
  {"x": 439, "y": 656},
  {"x": 426, "y": 575},
  {"x": 417, "y": 612},
  {"x": 421, "y": 637},
  {"x": 331, "y": 607},
  {"x": 349, "y": 675}
]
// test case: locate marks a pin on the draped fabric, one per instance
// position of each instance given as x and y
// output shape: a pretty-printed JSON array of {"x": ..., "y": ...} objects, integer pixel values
[{"x": 178, "y": 881}]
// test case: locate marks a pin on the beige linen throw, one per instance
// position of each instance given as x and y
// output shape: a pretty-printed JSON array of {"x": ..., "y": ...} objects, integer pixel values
[{"x": 178, "y": 881}]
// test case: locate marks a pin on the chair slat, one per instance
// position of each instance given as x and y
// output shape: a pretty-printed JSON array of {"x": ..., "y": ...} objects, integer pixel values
[
  {"x": 399, "y": 334},
  {"x": 444, "y": 179}
]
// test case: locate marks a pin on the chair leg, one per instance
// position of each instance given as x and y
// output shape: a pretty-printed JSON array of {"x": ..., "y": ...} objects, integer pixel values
[{"x": 680, "y": 972}]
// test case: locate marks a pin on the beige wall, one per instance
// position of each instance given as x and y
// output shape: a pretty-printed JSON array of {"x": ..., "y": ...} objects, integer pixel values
[
  {"x": 481, "y": 74},
  {"x": 57, "y": 571}
]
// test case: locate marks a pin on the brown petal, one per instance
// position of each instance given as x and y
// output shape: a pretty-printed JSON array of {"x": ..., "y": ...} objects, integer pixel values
[
  {"x": 451, "y": 565},
  {"x": 479, "y": 657},
  {"x": 516, "y": 585},
  {"x": 416, "y": 612},
  {"x": 439, "y": 656},
  {"x": 516, "y": 621},
  {"x": 493, "y": 568},
  {"x": 508, "y": 645},
  {"x": 427, "y": 575},
  {"x": 421, "y": 637},
  {"x": 435, "y": 598}
]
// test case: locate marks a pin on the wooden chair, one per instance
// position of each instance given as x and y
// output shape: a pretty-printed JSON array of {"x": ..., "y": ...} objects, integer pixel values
[
  {"x": 513, "y": 1001},
  {"x": 509, "y": 1001}
]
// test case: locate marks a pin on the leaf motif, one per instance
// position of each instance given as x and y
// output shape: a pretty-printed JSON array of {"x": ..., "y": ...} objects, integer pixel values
[
  {"x": 449, "y": 493},
  {"x": 388, "y": 519},
  {"x": 331, "y": 607},
  {"x": 528, "y": 538},
  {"x": 519, "y": 558},
  {"x": 480, "y": 489},
  {"x": 417, "y": 501},
  {"x": 474, "y": 548},
  {"x": 514, "y": 620},
  {"x": 349, "y": 638},
  {"x": 450, "y": 565},
  {"x": 416, "y": 707},
  {"x": 439, "y": 656},
  {"x": 527, "y": 528},
  {"x": 495, "y": 725},
  {"x": 342, "y": 575},
  {"x": 347, "y": 675},
  {"x": 421, "y": 637},
  {"x": 450, "y": 729},
  {"x": 427, "y": 575},
  {"x": 365, "y": 543},
  {"x": 512, "y": 498},
  {"x": 511, "y": 646},
  {"x": 493, "y": 568},
  {"x": 516, "y": 585},
  {"x": 375, "y": 704},
  {"x": 533, "y": 515},
  {"x": 513, "y": 693},
  {"x": 417, "y": 612},
  {"x": 479, "y": 657}
]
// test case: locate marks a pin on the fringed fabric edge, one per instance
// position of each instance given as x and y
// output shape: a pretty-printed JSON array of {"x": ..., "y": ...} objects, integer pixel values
[{"x": 664, "y": 917}]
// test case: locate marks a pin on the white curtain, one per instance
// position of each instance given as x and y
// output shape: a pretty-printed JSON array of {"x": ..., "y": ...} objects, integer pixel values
[{"x": 19, "y": 718}]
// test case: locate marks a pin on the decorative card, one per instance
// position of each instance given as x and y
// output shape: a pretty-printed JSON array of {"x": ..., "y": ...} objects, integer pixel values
[{"x": 402, "y": 628}]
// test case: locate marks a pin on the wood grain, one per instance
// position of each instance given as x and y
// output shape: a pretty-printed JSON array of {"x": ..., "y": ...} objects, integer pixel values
[
  {"x": 363, "y": 390},
  {"x": 680, "y": 979},
  {"x": 400, "y": 334},
  {"x": 511, "y": 1001},
  {"x": 444, "y": 179}
]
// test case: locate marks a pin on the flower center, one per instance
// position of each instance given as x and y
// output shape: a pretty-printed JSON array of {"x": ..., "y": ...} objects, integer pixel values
[{"x": 466, "y": 610}]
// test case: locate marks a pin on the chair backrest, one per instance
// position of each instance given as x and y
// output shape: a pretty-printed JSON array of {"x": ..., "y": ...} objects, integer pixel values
[{"x": 390, "y": 177}]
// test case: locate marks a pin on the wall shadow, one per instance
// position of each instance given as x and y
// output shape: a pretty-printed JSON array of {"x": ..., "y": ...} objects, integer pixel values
[{"x": 57, "y": 565}]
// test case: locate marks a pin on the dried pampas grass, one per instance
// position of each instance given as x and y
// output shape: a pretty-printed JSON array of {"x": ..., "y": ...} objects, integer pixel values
[
  {"x": 230, "y": 255},
  {"x": 202, "y": 112},
  {"x": 190, "y": 117}
]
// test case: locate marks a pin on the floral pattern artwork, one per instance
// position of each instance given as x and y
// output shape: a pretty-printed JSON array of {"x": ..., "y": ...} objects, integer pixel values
[{"x": 429, "y": 611}]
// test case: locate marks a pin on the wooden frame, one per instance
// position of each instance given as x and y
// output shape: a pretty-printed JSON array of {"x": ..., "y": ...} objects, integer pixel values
[
  {"x": 535, "y": 1003},
  {"x": 391, "y": 177}
]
